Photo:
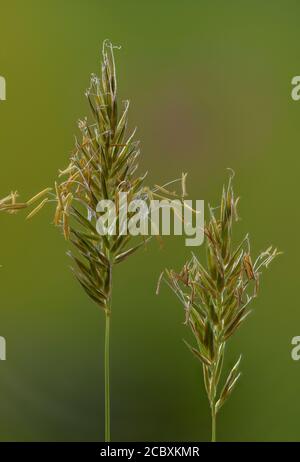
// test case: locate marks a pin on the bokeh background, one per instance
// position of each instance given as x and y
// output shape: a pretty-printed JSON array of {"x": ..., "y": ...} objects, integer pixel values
[{"x": 209, "y": 84}]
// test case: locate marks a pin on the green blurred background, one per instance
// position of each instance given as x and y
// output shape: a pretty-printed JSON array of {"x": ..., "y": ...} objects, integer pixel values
[{"x": 209, "y": 84}]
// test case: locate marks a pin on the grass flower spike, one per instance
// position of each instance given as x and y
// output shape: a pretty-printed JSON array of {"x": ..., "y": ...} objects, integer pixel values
[
  {"x": 217, "y": 298},
  {"x": 103, "y": 164}
]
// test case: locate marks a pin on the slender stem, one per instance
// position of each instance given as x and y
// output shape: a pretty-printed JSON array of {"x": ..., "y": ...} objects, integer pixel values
[
  {"x": 213, "y": 425},
  {"x": 106, "y": 375}
]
